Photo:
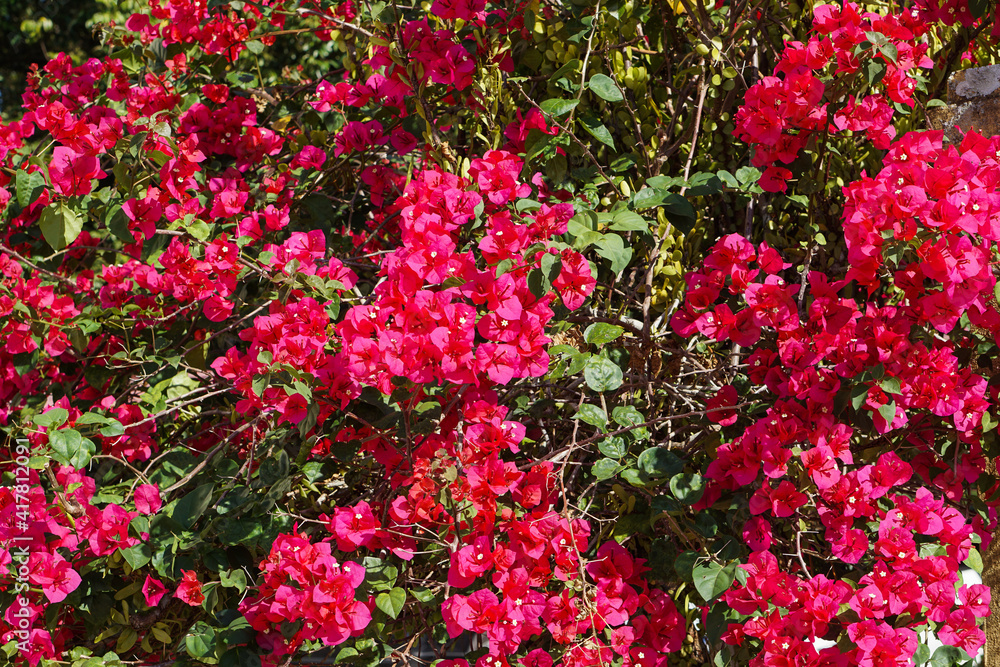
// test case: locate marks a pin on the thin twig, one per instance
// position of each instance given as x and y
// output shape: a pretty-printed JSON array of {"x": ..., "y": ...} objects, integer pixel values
[
  {"x": 332, "y": 19},
  {"x": 572, "y": 136},
  {"x": 178, "y": 407},
  {"x": 208, "y": 457},
  {"x": 124, "y": 463},
  {"x": 805, "y": 279},
  {"x": 37, "y": 268},
  {"x": 703, "y": 90},
  {"x": 798, "y": 552}
]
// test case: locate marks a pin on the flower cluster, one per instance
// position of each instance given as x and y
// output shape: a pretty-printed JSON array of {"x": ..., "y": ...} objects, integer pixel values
[
  {"x": 897, "y": 379},
  {"x": 781, "y": 115},
  {"x": 302, "y": 581},
  {"x": 941, "y": 205},
  {"x": 222, "y": 337}
]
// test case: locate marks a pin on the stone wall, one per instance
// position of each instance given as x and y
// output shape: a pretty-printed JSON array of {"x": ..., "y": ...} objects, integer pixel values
[{"x": 973, "y": 103}]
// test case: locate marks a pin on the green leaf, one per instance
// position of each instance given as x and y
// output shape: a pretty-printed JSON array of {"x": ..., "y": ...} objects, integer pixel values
[
  {"x": 255, "y": 46},
  {"x": 612, "y": 247},
  {"x": 538, "y": 284},
  {"x": 978, "y": 8},
  {"x": 577, "y": 363},
  {"x": 989, "y": 422},
  {"x": 200, "y": 640},
  {"x": 52, "y": 419},
  {"x": 597, "y": 130},
  {"x": 665, "y": 182},
  {"x": 613, "y": 447},
  {"x": 565, "y": 76},
  {"x": 200, "y": 230},
  {"x": 126, "y": 640},
  {"x": 584, "y": 221},
  {"x": 190, "y": 508},
  {"x": 137, "y": 556},
  {"x": 974, "y": 561},
  {"x": 876, "y": 38},
  {"x": 29, "y": 187},
  {"x": 890, "y": 385},
  {"x": 627, "y": 415},
  {"x": 890, "y": 51},
  {"x": 629, "y": 221},
  {"x": 947, "y": 656},
  {"x": 117, "y": 224},
  {"x": 606, "y": 469},
  {"x": 234, "y": 578},
  {"x": 558, "y": 107},
  {"x": 275, "y": 468},
  {"x": 874, "y": 71},
  {"x": 748, "y": 175},
  {"x": 888, "y": 411},
  {"x": 628, "y": 526},
  {"x": 728, "y": 179},
  {"x": 664, "y": 505},
  {"x": 859, "y": 394},
  {"x": 604, "y": 87},
  {"x": 551, "y": 267},
  {"x": 637, "y": 478},
  {"x": 600, "y": 333},
  {"x": 602, "y": 374},
  {"x": 90, "y": 418},
  {"x": 592, "y": 415},
  {"x": 70, "y": 448},
  {"x": 422, "y": 594},
  {"x": 678, "y": 209},
  {"x": 391, "y": 602},
  {"x": 649, "y": 198},
  {"x": 379, "y": 574},
  {"x": 684, "y": 565},
  {"x": 705, "y": 183},
  {"x": 680, "y": 212},
  {"x": 112, "y": 429},
  {"x": 660, "y": 462},
  {"x": 711, "y": 580},
  {"x": 687, "y": 487},
  {"x": 260, "y": 383},
  {"x": 586, "y": 239},
  {"x": 60, "y": 225}
]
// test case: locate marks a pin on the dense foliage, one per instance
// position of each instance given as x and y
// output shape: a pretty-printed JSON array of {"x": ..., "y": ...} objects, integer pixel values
[{"x": 370, "y": 327}]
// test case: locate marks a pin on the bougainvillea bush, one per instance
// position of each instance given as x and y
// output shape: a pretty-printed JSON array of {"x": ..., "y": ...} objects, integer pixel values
[{"x": 386, "y": 352}]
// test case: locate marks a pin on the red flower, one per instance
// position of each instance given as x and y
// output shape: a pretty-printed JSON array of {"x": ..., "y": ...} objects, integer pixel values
[
  {"x": 54, "y": 574},
  {"x": 726, "y": 397},
  {"x": 354, "y": 526},
  {"x": 147, "y": 499},
  {"x": 153, "y": 590},
  {"x": 189, "y": 590},
  {"x": 72, "y": 172}
]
